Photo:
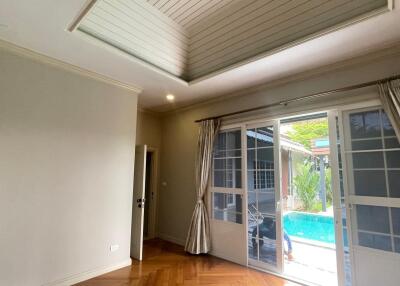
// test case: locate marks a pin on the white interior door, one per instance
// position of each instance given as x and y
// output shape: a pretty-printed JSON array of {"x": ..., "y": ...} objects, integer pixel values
[
  {"x": 138, "y": 202},
  {"x": 264, "y": 224},
  {"x": 371, "y": 169}
]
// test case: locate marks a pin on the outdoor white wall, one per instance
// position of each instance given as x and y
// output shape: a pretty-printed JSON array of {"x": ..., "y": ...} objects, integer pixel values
[
  {"x": 179, "y": 139},
  {"x": 66, "y": 172}
]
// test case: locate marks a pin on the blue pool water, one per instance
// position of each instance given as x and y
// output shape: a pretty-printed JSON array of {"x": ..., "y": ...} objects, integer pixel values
[{"x": 310, "y": 226}]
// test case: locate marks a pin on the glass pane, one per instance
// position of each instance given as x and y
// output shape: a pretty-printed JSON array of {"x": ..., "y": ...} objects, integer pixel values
[
  {"x": 387, "y": 126},
  {"x": 233, "y": 140},
  {"x": 396, "y": 220},
  {"x": 394, "y": 183},
  {"x": 236, "y": 205},
  {"x": 344, "y": 221},
  {"x": 391, "y": 143},
  {"x": 370, "y": 183},
  {"x": 251, "y": 138},
  {"x": 393, "y": 159},
  {"x": 266, "y": 203},
  {"x": 252, "y": 206},
  {"x": 368, "y": 160},
  {"x": 372, "y": 218},
  {"x": 238, "y": 179},
  {"x": 251, "y": 180},
  {"x": 266, "y": 239},
  {"x": 341, "y": 184},
  {"x": 219, "y": 164},
  {"x": 219, "y": 145},
  {"x": 251, "y": 159},
  {"x": 253, "y": 247},
  {"x": 219, "y": 179},
  {"x": 227, "y": 207},
  {"x": 233, "y": 153},
  {"x": 227, "y": 216},
  {"x": 267, "y": 251},
  {"x": 227, "y": 160},
  {"x": 376, "y": 241},
  {"x": 265, "y": 181},
  {"x": 234, "y": 163},
  {"x": 265, "y": 158},
  {"x": 265, "y": 137},
  {"x": 345, "y": 239},
  {"x": 397, "y": 244},
  {"x": 229, "y": 179},
  {"x": 365, "y": 124},
  {"x": 366, "y": 144}
]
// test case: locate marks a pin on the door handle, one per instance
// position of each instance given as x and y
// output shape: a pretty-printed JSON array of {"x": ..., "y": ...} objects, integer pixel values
[{"x": 278, "y": 206}]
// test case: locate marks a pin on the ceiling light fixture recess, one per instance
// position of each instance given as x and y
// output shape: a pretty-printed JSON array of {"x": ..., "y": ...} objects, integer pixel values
[{"x": 170, "y": 97}]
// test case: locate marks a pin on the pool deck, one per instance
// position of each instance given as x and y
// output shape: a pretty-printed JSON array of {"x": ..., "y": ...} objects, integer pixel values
[{"x": 312, "y": 264}]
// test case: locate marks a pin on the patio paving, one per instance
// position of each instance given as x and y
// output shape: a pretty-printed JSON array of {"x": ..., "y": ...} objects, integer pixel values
[{"x": 312, "y": 264}]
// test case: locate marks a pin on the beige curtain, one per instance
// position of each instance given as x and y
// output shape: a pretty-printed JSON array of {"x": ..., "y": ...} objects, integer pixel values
[
  {"x": 198, "y": 238},
  {"x": 389, "y": 93}
]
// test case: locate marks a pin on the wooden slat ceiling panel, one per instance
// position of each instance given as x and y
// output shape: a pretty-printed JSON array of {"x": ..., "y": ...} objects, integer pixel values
[
  {"x": 134, "y": 27},
  {"x": 265, "y": 26},
  {"x": 193, "y": 38}
]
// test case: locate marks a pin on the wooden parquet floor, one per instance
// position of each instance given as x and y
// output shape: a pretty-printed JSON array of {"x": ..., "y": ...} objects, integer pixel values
[{"x": 167, "y": 264}]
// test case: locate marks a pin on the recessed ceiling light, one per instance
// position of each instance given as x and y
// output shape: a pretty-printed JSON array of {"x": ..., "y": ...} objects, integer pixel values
[{"x": 170, "y": 97}]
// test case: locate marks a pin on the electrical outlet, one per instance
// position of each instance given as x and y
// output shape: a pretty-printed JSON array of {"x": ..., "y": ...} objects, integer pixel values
[{"x": 114, "y": 247}]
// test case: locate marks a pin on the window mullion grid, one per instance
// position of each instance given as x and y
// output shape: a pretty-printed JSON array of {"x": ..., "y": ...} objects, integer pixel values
[
  {"x": 256, "y": 186},
  {"x": 386, "y": 181}
]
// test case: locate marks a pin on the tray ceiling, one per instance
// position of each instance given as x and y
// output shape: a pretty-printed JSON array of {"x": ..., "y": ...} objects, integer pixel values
[{"x": 194, "y": 39}]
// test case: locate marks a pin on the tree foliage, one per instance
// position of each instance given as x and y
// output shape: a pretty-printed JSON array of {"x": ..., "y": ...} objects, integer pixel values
[
  {"x": 306, "y": 185},
  {"x": 303, "y": 131}
]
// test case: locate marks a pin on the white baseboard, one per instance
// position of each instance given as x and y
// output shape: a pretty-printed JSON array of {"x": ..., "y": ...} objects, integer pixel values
[
  {"x": 172, "y": 239},
  {"x": 89, "y": 274}
]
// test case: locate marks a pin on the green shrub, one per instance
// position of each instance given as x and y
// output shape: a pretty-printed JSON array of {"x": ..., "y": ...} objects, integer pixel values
[
  {"x": 328, "y": 186},
  {"x": 306, "y": 184}
]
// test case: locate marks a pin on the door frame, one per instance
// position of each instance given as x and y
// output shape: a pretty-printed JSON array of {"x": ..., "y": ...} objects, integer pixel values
[
  {"x": 153, "y": 218},
  {"x": 138, "y": 195}
]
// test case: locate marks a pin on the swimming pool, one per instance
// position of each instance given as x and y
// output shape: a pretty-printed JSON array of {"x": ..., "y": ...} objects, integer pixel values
[{"x": 310, "y": 226}]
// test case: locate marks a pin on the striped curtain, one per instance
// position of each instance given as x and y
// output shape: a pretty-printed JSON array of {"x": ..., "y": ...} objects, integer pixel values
[
  {"x": 389, "y": 93},
  {"x": 198, "y": 238}
]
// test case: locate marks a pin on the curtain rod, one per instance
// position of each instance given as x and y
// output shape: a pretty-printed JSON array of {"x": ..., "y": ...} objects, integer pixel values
[{"x": 306, "y": 97}]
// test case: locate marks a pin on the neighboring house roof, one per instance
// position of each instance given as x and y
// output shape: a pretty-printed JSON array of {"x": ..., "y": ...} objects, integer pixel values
[
  {"x": 285, "y": 142},
  {"x": 320, "y": 146}
]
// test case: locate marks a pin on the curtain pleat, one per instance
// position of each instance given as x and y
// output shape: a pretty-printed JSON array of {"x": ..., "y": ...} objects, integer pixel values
[
  {"x": 198, "y": 238},
  {"x": 389, "y": 93}
]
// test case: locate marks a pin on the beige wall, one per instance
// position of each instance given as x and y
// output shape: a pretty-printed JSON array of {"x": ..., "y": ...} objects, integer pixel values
[
  {"x": 148, "y": 129},
  {"x": 66, "y": 172},
  {"x": 180, "y": 132}
]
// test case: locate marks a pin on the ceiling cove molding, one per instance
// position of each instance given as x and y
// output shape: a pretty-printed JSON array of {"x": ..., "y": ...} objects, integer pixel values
[
  {"x": 66, "y": 66},
  {"x": 390, "y": 50},
  {"x": 191, "y": 40}
]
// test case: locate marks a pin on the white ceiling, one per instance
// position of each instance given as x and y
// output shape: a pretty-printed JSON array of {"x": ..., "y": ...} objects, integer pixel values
[{"x": 41, "y": 26}]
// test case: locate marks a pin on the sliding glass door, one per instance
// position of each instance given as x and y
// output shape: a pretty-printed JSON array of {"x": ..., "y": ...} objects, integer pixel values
[
  {"x": 264, "y": 228},
  {"x": 370, "y": 167}
]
